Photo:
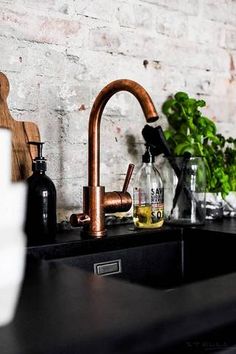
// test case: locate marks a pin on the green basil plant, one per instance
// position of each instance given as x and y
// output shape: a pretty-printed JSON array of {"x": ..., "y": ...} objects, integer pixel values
[{"x": 190, "y": 131}]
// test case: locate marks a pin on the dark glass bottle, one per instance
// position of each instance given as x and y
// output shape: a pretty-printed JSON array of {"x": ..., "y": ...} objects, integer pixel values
[{"x": 41, "y": 221}]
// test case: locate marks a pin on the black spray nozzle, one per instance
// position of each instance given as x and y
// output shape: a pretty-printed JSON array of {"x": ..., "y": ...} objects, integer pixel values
[
  {"x": 39, "y": 162},
  {"x": 148, "y": 156},
  {"x": 156, "y": 139}
]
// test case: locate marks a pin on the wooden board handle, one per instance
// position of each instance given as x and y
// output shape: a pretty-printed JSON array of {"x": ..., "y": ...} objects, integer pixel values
[
  {"x": 4, "y": 87},
  {"x": 22, "y": 132}
]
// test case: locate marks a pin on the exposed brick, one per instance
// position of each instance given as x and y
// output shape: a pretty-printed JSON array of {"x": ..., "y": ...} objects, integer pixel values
[
  {"x": 12, "y": 50},
  {"x": 207, "y": 83},
  {"x": 216, "y": 10},
  {"x": 206, "y": 32},
  {"x": 98, "y": 9},
  {"x": 42, "y": 29},
  {"x": 136, "y": 15},
  {"x": 126, "y": 15},
  {"x": 59, "y": 54},
  {"x": 190, "y": 7},
  {"x": 104, "y": 39},
  {"x": 24, "y": 93},
  {"x": 230, "y": 38},
  {"x": 144, "y": 16},
  {"x": 47, "y": 60},
  {"x": 171, "y": 23}
]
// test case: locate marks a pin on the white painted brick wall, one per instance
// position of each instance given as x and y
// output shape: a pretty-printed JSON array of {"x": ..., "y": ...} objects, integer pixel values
[{"x": 59, "y": 54}]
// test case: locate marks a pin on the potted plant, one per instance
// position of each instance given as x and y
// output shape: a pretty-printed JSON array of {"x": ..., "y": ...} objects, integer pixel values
[
  {"x": 190, "y": 131},
  {"x": 229, "y": 148}
]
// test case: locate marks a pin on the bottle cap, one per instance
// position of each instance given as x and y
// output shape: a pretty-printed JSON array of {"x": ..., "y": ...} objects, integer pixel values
[{"x": 39, "y": 162}]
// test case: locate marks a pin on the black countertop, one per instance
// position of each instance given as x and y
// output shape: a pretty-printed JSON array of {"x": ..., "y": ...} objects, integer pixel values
[
  {"x": 72, "y": 242},
  {"x": 65, "y": 310}
]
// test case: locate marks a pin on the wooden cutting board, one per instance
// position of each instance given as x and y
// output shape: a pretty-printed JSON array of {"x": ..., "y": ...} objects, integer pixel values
[{"x": 22, "y": 132}]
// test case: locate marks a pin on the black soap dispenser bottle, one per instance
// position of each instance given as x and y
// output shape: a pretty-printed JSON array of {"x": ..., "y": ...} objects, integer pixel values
[{"x": 41, "y": 221}]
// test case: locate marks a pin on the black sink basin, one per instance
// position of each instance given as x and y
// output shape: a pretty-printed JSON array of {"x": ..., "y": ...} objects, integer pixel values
[
  {"x": 195, "y": 256},
  {"x": 156, "y": 265}
]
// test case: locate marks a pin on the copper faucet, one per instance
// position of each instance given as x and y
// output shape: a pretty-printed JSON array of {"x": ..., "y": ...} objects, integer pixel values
[{"x": 95, "y": 201}]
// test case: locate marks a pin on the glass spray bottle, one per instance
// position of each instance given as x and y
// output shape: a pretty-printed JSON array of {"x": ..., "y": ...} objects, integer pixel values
[{"x": 148, "y": 194}]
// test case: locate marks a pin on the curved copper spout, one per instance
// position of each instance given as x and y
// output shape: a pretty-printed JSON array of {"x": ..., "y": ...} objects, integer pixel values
[
  {"x": 95, "y": 200},
  {"x": 95, "y": 120}
]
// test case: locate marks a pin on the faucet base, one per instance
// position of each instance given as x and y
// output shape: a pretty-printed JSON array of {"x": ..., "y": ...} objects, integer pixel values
[
  {"x": 93, "y": 197},
  {"x": 97, "y": 234}
]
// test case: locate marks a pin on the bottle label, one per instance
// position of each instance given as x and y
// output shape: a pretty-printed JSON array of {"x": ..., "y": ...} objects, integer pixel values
[
  {"x": 157, "y": 204},
  {"x": 148, "y": 207},
  {"x": 157, "y": 195}
]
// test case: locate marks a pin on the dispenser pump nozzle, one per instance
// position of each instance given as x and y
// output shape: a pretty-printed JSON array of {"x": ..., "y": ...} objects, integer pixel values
[
  {"x": 39, "y": 162},
  {"x": 148, "y": 156}
]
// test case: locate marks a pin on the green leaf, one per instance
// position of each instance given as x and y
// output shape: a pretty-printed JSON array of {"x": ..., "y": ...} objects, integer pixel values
[
  {"x": 175, "y": 121},
  {"x": 168, "y": 107},
  {"x": 168, "y": 133},
  {"x": 201, "y": 103},
  {"x": 181, "y": 96},
  {"x": 182, "y": 148},
  {"x": 190, "y": 131},
  {"x": 230, "y": 140}
]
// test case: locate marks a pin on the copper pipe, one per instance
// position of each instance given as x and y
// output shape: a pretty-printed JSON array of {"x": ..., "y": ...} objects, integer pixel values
[
  {"x": 95, "y": 119},
  {"x": 93, "y": 199}
]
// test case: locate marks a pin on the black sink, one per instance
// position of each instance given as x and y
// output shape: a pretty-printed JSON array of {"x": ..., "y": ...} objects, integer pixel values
[
  {"x": 208, "y": 254},
  {"x": 195, "y": 256},
  {"x": 156, "y": 265}
]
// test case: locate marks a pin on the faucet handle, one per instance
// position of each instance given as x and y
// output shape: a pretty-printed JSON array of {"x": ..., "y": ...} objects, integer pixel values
[
  {"x": 80, "y": 219},
  {"x": 128, "y": 177},
  {"x": 119, "y": 201}
]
